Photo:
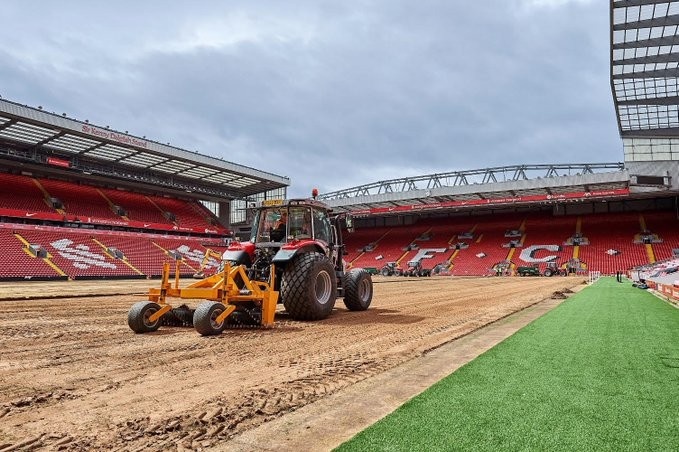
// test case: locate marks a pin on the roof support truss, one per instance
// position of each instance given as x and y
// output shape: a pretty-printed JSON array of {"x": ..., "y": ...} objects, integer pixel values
[{"x": 462, "y": 178}]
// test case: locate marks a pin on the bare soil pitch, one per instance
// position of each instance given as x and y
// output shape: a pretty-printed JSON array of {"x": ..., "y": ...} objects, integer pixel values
[{"x": 73, "y": 376}]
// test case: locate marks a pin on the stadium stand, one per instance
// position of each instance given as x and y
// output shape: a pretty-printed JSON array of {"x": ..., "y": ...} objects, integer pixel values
[
  {"x": 543, "y": 229},
  {"x": 83, "y": 254},
  {"x": 139, "y": 251},
  {"x": 666, "y": 226},
  {"x": 17, "y": 263},
  {"x": 612, "y": 246},
  {"x": 358, "y": 244},
  {"x": 182, "y": 212},
  {"x": 78, "y": 254},
  {"x": 486, "y": 249},
  {"x": 137, "y": 206},
  {"x": 21, "y": 193},
  {"x": 191, "y": 251},
  {"x": 95, "y": 253},
  {"x": 603, "y": 242},
  {"x": 390, "y": 244},
  {"x": 33, "y": 199},
  {"x": 78, "y": 199},
  {"x": 438, "y": 236}
]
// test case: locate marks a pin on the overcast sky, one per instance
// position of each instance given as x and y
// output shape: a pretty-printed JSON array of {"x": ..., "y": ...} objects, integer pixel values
[{"x": 332, "y": 94}]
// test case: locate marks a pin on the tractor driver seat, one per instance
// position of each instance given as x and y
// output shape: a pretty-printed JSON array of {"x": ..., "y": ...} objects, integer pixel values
[{"x": 277, "y": 234}]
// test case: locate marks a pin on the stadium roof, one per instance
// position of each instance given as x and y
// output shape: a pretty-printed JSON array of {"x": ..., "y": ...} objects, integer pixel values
[
  {"x": 645, "y": 67},
  {"x": 31, "y": 134},
  {"x": 496, "y": 187}
]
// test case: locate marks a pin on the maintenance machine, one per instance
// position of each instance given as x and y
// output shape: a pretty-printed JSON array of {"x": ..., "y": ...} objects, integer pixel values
[
  {"x": 553, "y": 269},
  {"x": 391, "y": 269},
  {"x": 294, "y": 257},
  {"x": 415, "y": 268}
]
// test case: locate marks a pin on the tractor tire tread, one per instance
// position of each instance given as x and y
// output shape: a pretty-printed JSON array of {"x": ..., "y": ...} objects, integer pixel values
[
  {"x": 296, "y": 287},
  {"x": 136, "y": 314},
  {"x": 352, "y": 290},
  {"x": 202, "y": 321}
]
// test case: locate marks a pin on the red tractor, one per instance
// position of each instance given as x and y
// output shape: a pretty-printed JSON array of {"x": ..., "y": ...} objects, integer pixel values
[
  {"x": 553, "y": 269},
  {"x": 391, "y": 269},
  {"x": 415, "y": 269},
  {"x": 302, "y": 241},
  {"x": 294, "y": 256}
]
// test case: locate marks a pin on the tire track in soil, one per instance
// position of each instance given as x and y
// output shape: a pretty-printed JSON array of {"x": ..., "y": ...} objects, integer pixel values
[{"x": 83, "y": 381}]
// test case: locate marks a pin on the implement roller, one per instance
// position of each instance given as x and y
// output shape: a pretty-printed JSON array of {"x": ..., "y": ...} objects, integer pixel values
[{"x": 228, "y": 293}]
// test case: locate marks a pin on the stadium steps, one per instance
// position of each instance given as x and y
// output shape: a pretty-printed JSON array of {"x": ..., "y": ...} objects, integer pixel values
[
  {"x": 79, "y": 200},
  {"x": 650, "y": 253},
  {"x": 124, "y": 260},
  {"x": 510, "y": 256},
  {"x": 137, "y": 206},
  {"x": 361, "y": 239},
  {"x": 608, "y": 232},
  {"x": 47, "y": 259},
  {"x": 140, "y": 252},
  {"x": 22, "y": 193},
  {"x": 111, "y": 205},
  {"x": 452, "y": 257},
  {"x": 666, "y": 225},
  {"x": 19, "y": 262},
  {"x": 47, "y": 197}
]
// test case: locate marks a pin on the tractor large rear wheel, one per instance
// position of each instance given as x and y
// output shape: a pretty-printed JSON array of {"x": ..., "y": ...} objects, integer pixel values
[
  {"x": 309, "y": 287},
  {"x": 358, "y": 290},
  {"x": 139, "y": 315}
]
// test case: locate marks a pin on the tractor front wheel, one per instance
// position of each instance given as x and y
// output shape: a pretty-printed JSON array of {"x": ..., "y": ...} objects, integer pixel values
[
  {"x": 358, "y": 290},
  {"x": 309, "y": 287},
  {"x": 205, "y": 318},
  {"x": 139, "y": 315}
]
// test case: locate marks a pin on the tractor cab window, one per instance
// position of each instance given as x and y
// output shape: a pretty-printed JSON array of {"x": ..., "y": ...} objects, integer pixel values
[
  {"x": 300, "y": 223},
  {"x": 270, "y": 225},
  {"x": 322, "y": 229}
]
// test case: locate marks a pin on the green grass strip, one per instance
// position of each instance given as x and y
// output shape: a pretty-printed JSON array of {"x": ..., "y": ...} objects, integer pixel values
[{"x": 599, "y": 372}]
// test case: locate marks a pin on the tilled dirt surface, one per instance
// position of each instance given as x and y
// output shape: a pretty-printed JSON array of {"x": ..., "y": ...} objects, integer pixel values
[{"x": 73, "y": 376}]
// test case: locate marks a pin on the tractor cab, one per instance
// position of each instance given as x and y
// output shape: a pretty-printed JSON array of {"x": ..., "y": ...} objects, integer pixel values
[
  {"x": 291, "y": 222},
  {"x": 282, "y": 229}
]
